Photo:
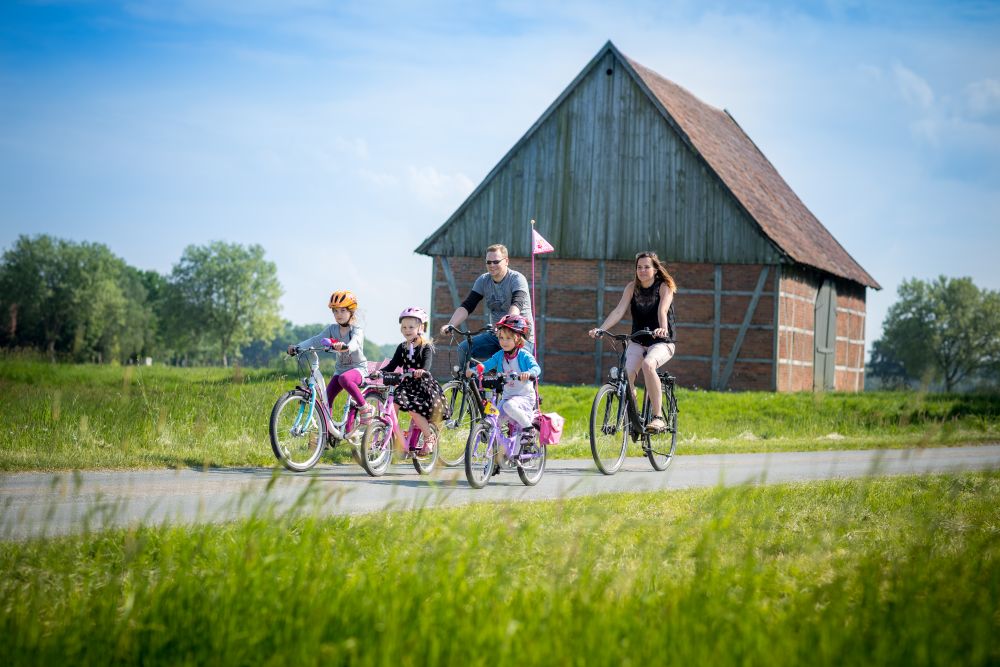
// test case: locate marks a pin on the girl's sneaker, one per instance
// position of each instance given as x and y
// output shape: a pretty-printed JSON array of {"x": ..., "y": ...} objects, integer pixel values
[
  {"x": 528, "y": 439},
  {"x": 365, "y": 414},
  {"x": 428, "y": 443}
]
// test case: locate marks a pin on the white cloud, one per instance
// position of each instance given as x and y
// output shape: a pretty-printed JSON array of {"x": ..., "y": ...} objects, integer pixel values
[
  {"x": 433, "y": 187},
  {"x": 381, "y": 180},
  {"x": 982, "y": 98},
  {"x": 913, "y": 89},
  {"x": 355, "y": 146}
]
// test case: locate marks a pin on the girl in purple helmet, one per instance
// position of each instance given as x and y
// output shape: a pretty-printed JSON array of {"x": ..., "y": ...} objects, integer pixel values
[{"x": 419, "y": 395}]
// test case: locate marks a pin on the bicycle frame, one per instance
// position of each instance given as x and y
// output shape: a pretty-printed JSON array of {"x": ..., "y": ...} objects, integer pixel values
[
  {"x": 626, "y": 403},
  {"x": 512, "y": 453},
  {"x": 335, "y": 428},
  {"x": 472, "y": 396},
  {"x": 410, "y": 436}
]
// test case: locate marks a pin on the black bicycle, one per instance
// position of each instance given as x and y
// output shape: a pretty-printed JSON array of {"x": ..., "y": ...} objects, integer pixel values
[
  {"x": 614, "y": 417},
  {"x": 464, "y": 402}
]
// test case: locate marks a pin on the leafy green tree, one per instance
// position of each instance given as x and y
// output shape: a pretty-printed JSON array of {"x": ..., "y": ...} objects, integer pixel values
[
  {"x": 947, "y": 330},
  {"x": 226, "y": 292},
  {"x": 76, "y": 299}
]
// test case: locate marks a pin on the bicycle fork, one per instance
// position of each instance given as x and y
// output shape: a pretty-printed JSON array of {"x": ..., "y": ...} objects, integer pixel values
[{"x": 303, "y": 419}]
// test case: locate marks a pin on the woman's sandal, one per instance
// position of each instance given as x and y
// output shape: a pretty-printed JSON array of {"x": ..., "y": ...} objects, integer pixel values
[{"x": 656, "y": 425}]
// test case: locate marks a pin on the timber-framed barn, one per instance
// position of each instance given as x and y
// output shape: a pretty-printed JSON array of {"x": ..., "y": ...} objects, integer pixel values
[{"x": 625, "y": 160}]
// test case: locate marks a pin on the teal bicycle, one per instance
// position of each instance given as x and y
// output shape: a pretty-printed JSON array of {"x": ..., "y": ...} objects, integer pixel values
[{"x": 302, "y": 426}]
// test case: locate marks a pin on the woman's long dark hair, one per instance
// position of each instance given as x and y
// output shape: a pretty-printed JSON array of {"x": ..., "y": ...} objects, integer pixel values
[{"x": 658, "y": 267}]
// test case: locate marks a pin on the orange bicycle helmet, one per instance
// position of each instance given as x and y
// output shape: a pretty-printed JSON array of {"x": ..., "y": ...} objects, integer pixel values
[{"x": 344, "y": 299}]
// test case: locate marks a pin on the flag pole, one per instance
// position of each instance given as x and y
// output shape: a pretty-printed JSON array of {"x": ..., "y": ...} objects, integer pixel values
[{"x": 534, "y": 331}]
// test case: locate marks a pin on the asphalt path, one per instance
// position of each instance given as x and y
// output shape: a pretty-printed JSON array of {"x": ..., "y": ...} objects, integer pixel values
[{"x": 43, "y": 504}]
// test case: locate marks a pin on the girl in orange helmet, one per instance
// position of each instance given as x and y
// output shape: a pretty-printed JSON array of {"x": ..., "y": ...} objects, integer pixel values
[{"x": 349, "y": 342}]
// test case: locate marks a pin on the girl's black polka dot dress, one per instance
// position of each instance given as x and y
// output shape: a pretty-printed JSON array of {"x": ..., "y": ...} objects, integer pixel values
[{"x": 421, "y": 395}]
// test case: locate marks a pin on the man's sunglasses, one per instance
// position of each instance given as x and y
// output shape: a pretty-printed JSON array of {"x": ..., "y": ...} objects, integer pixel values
[{"x": 493, "y": 261}]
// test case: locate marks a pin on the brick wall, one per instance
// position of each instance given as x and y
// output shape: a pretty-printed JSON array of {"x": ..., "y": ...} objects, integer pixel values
[
  {"x": 569, "y": 307},
  {"x": 850, "y": 363},
  {"x": 796, "y": 320}
]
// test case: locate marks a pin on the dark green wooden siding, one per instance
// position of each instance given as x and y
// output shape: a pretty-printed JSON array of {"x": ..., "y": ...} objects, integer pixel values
[{"x": 605, "y": 175}]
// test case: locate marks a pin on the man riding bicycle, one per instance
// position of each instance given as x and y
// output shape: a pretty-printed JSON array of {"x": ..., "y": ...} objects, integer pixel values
[{"x": 505, "y": 292}]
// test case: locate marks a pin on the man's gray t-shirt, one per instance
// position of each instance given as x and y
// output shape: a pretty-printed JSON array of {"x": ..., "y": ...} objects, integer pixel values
[{"x": 497, "y": 296}]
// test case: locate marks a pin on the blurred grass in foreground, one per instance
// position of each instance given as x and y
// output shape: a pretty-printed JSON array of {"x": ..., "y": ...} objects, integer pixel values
[
  {"x": 87, "y": 416},
  {"x": 885, "y": 571}
]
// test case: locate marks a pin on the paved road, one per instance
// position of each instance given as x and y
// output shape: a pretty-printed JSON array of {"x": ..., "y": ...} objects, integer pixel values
[{"x": 34, "y": 504}]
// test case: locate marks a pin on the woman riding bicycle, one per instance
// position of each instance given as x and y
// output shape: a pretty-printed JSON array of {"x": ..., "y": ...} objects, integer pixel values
[{"x": 650, "y": 300}]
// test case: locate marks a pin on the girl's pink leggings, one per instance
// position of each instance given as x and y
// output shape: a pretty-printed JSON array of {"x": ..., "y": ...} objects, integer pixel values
[{"x": 351, "y": 381}]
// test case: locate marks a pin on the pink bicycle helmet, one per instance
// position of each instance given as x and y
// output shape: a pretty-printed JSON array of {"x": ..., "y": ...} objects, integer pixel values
[
  {"x": 414, "y": 312},
  {"x": 516, "y": 323}
]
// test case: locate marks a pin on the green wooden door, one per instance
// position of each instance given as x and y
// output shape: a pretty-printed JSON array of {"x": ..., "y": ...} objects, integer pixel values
[{"x": 825, "y": 357}]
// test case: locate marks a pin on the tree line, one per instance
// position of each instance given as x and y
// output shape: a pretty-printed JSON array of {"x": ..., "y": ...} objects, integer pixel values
[
  {"x": 80, "y": 302},
  {"x": 944, "y": 331}
]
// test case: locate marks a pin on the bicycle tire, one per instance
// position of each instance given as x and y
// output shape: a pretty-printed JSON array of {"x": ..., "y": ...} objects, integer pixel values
[
  {"x": 478, "y": 455},
  {"x": 608, "y": 438},
  {"x": 533, "y": 475},
  {"x": 297, "y": 448},
  {"x": 661, "y": 455},
  {"x": 424, "y": 463},
  {"x": 376, "y": 448},
  {"x": 454, "y": 431}
]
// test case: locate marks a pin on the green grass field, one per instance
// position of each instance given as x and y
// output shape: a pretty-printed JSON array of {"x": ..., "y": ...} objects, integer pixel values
[
  {"x": 83, "y": 416},
  {"x": 881, "y": 571}
]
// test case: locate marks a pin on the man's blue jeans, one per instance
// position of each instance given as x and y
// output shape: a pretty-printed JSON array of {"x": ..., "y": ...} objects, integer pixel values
[{"x": 484, "y": 346}]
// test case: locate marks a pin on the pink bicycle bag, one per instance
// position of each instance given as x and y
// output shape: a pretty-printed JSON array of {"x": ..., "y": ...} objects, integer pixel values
[{"x": 550, "y": 428}]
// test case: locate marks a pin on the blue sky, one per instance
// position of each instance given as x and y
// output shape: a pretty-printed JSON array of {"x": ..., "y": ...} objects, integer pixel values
[{"x": 339, "y": 135}]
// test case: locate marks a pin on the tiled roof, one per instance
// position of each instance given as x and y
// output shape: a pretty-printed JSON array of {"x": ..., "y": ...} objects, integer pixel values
[{"x": 751, "y": 178}]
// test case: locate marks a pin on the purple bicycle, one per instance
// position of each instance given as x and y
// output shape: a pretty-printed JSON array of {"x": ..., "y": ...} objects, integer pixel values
[
  {"x": 492, "y": 443},
  {"x": 376, "y": 445}
]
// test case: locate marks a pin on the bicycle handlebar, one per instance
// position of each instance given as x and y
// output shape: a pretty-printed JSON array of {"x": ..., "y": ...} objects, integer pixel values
[
  {"x": 468, "y": 333},
  {"x": 302, "y": 350},
  {"x": 601, "y": 333},
  {"x": 390, "y": 378}
]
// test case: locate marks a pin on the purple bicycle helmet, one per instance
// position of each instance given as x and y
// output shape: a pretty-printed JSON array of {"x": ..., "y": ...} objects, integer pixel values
[{"x": 416, "y": 313}]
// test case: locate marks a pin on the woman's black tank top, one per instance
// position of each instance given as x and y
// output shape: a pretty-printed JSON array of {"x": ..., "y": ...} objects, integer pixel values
[{"x": 644, "y": 306}]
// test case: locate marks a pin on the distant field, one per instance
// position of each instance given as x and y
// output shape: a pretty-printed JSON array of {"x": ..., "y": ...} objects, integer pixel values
[
  {"x": 85, "y": 416},
  {"x": 901, "y": 571}
]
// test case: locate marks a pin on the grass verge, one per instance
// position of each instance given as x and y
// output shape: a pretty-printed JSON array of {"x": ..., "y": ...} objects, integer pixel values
[
  {"x": 56, "y": 417},
  {"x": 886, "y": 571}
]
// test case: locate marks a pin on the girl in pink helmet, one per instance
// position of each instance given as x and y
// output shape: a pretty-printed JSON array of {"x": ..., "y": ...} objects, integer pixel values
[
  {"x": 519, "y": 399},
  {"x": 419, "y": 395}
]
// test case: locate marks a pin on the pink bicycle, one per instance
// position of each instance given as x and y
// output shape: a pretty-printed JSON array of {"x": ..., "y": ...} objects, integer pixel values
[{"x": 376, "y": 445}]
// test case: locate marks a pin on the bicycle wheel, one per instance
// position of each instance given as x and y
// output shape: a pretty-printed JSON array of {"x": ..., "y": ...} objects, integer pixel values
[
  {"x": 608, "y": 430},
  {"x": 297, "y": 437},
  {"x": 479, "y": 455},
  {"x": 530, "y": 471},
  {"x": 659, "y": 447},
  {"x": 376, "y": 448},
  {"x": 373, "y": 397},
  {"x": 454, "y": 431},
  {"x": 424, "y": 463}
]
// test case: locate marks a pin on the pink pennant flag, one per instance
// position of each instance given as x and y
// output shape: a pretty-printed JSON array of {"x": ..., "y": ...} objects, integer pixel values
[{"x": 539, "y": 246}]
